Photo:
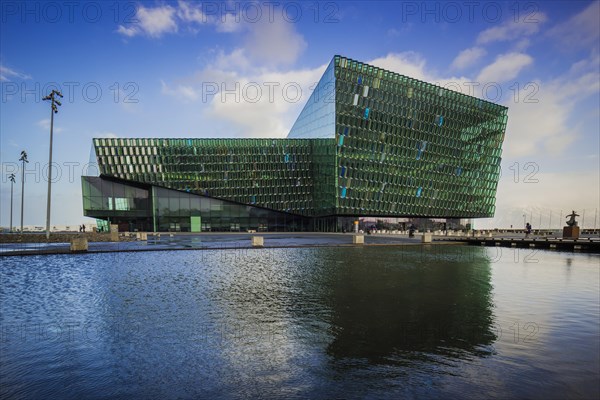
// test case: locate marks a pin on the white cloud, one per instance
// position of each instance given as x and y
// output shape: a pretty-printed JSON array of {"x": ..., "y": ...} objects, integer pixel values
[
  {"x": 106, "y": 135},
  {"x": 275, "y": 42},
  {"x": 153, "y": 22},
  {"x": 268, "y": 46},
  {"x": 468, "y": 57},
  {"x": 6, "y": 74},
  {"x": 522, "y": 45},
  {"x": 407, "y": 63},
  {"x": 45, "y": 125},
  {"x": 190, "y": 13},
  {"x": 254, "y": 104},
  {"x": 512, "y": 30},
  {"x": 269, "y": 116},
  {"x": 546, "y": 126},
  {"x": 129, "y": 32},
  {"x": 237, "y": 60},
  {"x": 229, "y": 23},
  {"x": 182, "y": 91},
  {"x": 414, "y": 65},
  {"x": 581, "y": 30},
  {"x": 157, "y": 21},
  {"x": 504, "y": 68}
]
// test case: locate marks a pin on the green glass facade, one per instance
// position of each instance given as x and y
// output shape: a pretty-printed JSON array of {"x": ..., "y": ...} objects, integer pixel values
[
  {"x": 369, "y": 142},
  {"x": 280, "y": 174},
  {"x": 410, "y": 148}
]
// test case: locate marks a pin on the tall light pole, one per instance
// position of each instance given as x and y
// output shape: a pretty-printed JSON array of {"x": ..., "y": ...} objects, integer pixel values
[
  {"x": 12, "y": 182},
  {"x": 53, "y": 110},
  {"x": 559, "y": 218},
  {"x": 24, "y": 160}
]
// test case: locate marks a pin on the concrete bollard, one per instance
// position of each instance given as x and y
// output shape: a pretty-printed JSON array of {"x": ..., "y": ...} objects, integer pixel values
[
  {"x": 141, "y": 235},
  {"x": 79, "y": 244},
  {"x": 258, "y": 241},
  {"x": 426, "y": 238},
  {"x": 114, "y": 233},
  {"x": 358, "y": 239}
]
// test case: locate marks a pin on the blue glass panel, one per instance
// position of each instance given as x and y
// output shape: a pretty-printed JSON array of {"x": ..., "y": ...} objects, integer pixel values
[
  {"x": 419, "y": 190},
  {"x": 341, "y": 141},
  {"x": 367, "y": 113},
  {"x": 343, "y": 196},
  {"x": 317, "y": 119}
]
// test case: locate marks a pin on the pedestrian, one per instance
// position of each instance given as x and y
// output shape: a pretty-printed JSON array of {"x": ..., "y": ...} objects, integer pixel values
[
  {"x": 83, "y": 227},
  {"x": 411, "y": 230},
  {"x": 527, "y": 229}
]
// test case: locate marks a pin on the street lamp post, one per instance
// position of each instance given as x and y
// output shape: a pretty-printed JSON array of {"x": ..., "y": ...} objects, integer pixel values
[
  {"x": 559, "y": 218},
  {"x": 24, "y": 160},
  {"x": 12, "y": 182},
  {"x": 53, "y": 110}
]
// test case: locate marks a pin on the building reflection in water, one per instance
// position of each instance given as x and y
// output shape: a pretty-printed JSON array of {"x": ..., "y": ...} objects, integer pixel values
[{"x": 412, "y": 304}]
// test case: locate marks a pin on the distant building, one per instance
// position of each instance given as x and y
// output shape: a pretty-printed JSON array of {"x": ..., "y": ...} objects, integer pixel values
[{"x": 369, "y": 142}]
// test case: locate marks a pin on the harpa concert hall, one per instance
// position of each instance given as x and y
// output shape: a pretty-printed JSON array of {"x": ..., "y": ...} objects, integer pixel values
[{"x": 368, "y": 143}]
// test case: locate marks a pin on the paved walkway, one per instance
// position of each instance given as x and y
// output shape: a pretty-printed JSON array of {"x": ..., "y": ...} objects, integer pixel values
[
  {"x": 188, "y": 241},
  {"x": 233, "y": 240}
]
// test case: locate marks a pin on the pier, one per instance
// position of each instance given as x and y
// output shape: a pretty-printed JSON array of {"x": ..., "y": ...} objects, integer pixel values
[{"x": 589, "y": 244}]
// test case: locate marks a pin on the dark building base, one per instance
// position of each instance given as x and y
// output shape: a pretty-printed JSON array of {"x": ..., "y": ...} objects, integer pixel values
[{"x": 135, "y": 206}]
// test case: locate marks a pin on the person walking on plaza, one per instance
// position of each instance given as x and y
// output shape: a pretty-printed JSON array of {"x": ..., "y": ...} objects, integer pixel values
[{"x": 527, "y": 229}]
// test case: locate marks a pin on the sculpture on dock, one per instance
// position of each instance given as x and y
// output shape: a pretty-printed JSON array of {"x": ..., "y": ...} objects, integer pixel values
[
  {"x": 571, "y": 231},
  {"x": 571, "y": 221}
]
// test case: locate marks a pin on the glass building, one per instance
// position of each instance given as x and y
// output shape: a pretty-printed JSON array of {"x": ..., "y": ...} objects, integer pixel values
[{"x": 369, "y": 142}]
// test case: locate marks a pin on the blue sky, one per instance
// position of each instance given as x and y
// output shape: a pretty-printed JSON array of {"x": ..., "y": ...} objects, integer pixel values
[{"x": 151, "y": 69}]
